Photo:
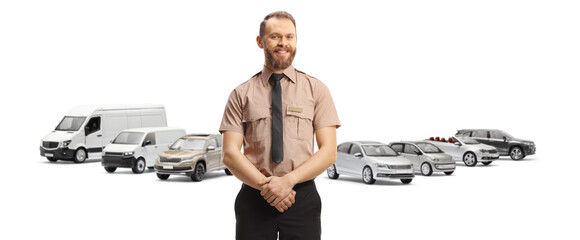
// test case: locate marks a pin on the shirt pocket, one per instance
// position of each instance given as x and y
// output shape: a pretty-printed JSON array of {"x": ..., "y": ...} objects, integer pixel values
[
  {"x": 256, "y": 120},
  {"x": 298, "y": 123}
]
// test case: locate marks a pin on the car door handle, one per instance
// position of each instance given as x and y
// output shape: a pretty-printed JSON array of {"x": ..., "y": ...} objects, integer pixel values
[{"x": 99, "y": 135}]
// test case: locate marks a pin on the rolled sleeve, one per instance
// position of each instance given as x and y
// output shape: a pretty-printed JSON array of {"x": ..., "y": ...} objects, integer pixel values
[
  {"x": 232, "y": 119},
  {"x": 325, "y": 114}
]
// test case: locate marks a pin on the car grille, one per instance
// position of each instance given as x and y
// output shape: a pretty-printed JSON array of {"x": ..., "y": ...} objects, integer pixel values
[
  {"x": 493, "y": 151},
  {"x": 171, "y": 160},
  {"x": 50, "y": 144},
  {"x": 399, "y": 166},
  {"x": 444, "y": 166},
  {"x": 113, "y": 154},
  {"x": 174, "y": 168}
]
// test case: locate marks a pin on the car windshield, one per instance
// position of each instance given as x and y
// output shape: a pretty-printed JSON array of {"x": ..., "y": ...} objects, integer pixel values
[
  {"x": 428, "y": 148},
  {"x": 188, "y": 144},
  {"x": 132, "y": 138},
  {"x": 468, "y": 140},
  {"x": 379, "y": 150},
  {"x": 70, "y": 123}
]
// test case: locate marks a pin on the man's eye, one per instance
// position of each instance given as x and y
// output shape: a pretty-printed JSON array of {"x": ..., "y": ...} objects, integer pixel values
[
  {"x": 274, "y": 37},
  {"x": 290, "y": 37}
]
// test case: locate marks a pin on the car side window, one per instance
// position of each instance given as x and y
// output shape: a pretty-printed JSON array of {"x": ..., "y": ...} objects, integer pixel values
[
  {"x": 212, "y": 142},
  {"x": 344, "y": 148},
  {"x": 479, "y": 134},
  {"x": 410, "y": 149},
  {"x": 496, "y": 135},
  {"x": 93, "y": 125},
  {"x": 355, "y": 149},
  {"x": 150, "y": 137},
  {"x": 398, "y": 147}
]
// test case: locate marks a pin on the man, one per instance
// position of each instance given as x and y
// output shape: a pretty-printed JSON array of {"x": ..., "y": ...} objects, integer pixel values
[{"x": 275, "y": 115}]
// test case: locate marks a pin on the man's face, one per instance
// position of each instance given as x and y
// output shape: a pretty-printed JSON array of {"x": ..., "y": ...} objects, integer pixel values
[{"x": 279, "y": 43}]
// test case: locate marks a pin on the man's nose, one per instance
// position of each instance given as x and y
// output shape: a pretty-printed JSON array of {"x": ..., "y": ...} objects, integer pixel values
[{"x": 282, "y": 42}]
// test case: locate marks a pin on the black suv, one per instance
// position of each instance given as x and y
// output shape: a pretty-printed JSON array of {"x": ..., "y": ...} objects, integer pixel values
[{"x": 505, "y": 143}]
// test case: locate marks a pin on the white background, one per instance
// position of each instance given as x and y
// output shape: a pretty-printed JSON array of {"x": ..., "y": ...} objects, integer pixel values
[{"x": 397, "y": 70}]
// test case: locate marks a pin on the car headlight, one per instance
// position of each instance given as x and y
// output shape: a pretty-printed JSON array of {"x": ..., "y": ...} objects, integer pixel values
[
  {"x": 382, "y": 165},
  {"x": 435, "y": 159},
  {"x": 483, "y": 150},
  {"x": 128, "y": 153},
  {"x": 66, "y": 143},
  {"x": 529, "y": 143}
]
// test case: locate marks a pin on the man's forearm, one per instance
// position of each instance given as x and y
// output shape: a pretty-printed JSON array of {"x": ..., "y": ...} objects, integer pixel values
[{"x": 238, "y": 164}]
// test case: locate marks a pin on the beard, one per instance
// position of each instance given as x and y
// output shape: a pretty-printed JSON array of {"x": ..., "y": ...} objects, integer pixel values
[{"x": 278, "y": 62}]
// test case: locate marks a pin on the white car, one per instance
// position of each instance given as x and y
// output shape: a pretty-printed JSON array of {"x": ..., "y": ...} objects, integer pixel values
[
  {"x": 426, "y": 157},
  {"x": 466, "y": 149},
  {"x": 371, "y": 160}
]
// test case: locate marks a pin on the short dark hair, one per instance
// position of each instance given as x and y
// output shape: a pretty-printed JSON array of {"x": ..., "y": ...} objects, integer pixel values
[{"x": 277, "y": 14}]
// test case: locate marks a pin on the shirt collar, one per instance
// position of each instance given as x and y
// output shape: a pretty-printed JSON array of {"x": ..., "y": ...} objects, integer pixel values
[{"x": 290, "y": 72}]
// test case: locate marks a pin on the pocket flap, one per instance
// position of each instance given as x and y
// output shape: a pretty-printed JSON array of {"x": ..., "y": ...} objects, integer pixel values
[{"x": 253, "y": 113}]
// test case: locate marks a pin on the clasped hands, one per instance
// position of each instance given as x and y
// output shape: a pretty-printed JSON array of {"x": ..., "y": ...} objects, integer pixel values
[{"x": 278, "y": 192}]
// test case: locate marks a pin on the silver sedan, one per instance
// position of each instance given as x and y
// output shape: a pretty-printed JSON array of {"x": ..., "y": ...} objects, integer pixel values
[
  {"x": 426, "y": 157},
  {"x": 371, "y": 160}
]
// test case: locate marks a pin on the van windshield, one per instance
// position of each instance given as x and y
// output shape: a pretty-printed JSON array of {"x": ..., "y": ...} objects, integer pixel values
[
  {"x": 70, "y": 123},
  {"x": 132, "y": 138},
  {"x": 188, "y": 144}
]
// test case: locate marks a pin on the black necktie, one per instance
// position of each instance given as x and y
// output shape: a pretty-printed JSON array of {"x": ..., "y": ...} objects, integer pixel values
[{"x": 277, "y": 124}]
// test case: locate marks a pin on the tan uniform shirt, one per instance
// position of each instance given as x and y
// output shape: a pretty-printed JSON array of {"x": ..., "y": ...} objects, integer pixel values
[{"x": 306, "y": 106}]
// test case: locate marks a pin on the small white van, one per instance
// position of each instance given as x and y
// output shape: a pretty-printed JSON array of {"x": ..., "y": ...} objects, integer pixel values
[
  {"x": 85, "y": 130},
  {"x": 138, "y": 148}
]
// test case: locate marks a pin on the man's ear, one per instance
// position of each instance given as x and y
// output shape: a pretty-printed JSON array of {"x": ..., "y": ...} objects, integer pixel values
[{"x": 259, "y": 41}]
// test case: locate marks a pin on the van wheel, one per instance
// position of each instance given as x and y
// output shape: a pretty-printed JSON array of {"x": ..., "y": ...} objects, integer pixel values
[
  {"x": 139, "y": 166},
  {"x": 162, "y": 176},
  {"x": 449, "y": 173},
  {"x": 228, "y": 172},
  {"x": 406, "y": 180},
  {"x": 51, "y": 159},
  {"x": 198, "y": 173},
  {"x": 80, "y": 155},
  {"x": 110, "y": 169}
]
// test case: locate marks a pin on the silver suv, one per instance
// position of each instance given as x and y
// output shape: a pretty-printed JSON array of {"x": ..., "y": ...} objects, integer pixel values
[{"x": 192, "y": 155}]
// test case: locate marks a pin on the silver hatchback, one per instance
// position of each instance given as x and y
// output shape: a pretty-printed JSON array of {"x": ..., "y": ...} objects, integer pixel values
[
  {"x": 371, "y": 160},
  {"x": 426, "y": 157}
]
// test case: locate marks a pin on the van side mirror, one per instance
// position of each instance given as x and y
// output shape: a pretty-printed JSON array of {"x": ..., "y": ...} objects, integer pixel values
[
  {"x": 210, "y": 148},
  {"x": 148, "y": 142},
  {"x": 358, "y": 155}
]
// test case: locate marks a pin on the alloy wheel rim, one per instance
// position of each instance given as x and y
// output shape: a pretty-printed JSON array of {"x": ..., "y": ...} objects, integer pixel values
[
  {"x": 141, "y": 166},
  {"x": 199, "y": 172},
  {"x": 81, "y": 155},
  {"x": 425, "y": 169},
  {"x": 367, "y": 175},
  {"x": 516, "y": 153},
  {"x": 469, "y": 159},
  {"x": 331, "y": 171}
]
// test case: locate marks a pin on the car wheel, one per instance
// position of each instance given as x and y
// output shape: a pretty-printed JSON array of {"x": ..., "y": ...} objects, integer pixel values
[
  {"x": 368, "y": 175},
  {"x": 139, "y": 166},
  {"x": 331, "y": 171},
  {"x": 80, "y": 155},
  {"x": 51, "y": 159},
  {"x": 516, "y": 153},
  {"x": 406, "y": 180},
  {"x": 426, "y": 169},
  {"x": 198, "y": 172},
  {"x": 469, "y": 159},
  {"x": 449, "y": 173},
  {"x": 162, "y": 176},
  {"x": 486, "y": 163},
  {"x": 228, "y": 172},
  {"x": 110, "y": 169}
]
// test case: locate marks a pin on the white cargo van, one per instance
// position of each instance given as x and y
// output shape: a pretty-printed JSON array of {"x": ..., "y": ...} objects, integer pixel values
[
  {"x": 85, "y": 130},
  {"x": 138, "y": 148}
]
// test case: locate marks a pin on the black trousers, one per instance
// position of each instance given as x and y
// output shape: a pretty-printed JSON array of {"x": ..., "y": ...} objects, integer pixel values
[{"x": 257, "y": 220}]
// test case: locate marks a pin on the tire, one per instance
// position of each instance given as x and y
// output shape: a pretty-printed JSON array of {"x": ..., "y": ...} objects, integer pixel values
[
  {"x": 162, "y": 176},
  {"x": 469, "y": 159},
  {"x": 139, "y": 166},
  {"x": 51, "y": 159},
  {"x": 228, "y": 172},
  {"x": 80, "y": 155},
  {"x": 516, "y": 153},
  {"x": 110, "y": 169},
  {"x": 198, "y": 172},
  {"x": 367, "y": 175},
  {"x": 426, "y": 169},
  {"x": 449, "y": 173},
  {"x": 331, "y": 171},
  {"x": 486, "y": 163},
  {"x": 406, "y": 180}
]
